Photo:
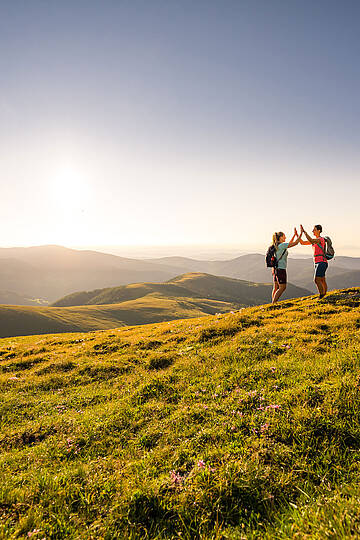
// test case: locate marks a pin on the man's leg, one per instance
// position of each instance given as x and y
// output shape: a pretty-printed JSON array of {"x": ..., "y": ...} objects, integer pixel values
[
  {"x": 318, "y": 283},
  {"x": 281, "y": 289},
  {"x": 324, "y": 284}
]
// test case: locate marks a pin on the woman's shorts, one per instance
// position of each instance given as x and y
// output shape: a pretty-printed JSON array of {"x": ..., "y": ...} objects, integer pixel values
[
  {"x": 320, "y": 269},
  {"x": 280, "y": 276}
]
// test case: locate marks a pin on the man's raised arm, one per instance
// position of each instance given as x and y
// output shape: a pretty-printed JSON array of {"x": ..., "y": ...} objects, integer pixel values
[{"x": 310, "y": 240}]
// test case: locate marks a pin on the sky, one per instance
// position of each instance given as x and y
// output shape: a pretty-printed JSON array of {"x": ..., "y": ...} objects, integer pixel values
[{"x": 179, "y": 122}]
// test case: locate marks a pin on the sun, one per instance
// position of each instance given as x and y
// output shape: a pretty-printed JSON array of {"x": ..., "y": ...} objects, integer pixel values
[{"x": 69, "y": 190}]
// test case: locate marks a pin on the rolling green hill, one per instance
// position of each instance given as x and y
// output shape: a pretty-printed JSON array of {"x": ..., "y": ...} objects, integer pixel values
[
  {"x": 190, "y": 295},
  {"x": 197, "y": 285},
  {"x": 236, "y": 426},
  {"x": 28, "y": 320}
]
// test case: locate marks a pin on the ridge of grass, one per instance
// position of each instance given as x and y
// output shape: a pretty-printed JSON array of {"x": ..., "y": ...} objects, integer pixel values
[{"x": 238, "y": 425}]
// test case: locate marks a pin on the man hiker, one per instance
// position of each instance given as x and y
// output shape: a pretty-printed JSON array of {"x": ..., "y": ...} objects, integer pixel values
[{"x": 320, "y": 260}]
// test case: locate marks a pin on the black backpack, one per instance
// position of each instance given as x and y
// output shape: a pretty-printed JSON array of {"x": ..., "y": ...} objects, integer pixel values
[{"x": 270, "y": 258}]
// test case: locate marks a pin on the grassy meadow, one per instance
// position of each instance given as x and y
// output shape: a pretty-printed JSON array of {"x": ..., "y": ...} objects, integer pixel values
[{"x": 242, "y": 425}]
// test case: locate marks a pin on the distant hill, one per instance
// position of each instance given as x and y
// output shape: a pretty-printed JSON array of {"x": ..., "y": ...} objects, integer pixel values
[
  {"x": 346, "y": 279},
  {"x": 197, "y": 285},
  {"x": 189, "y": 295},
  {"x": 10, "y": 297}
]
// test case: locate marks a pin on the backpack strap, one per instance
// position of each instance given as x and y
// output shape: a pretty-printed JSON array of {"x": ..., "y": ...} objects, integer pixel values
[{"x": 281, "y": 256}]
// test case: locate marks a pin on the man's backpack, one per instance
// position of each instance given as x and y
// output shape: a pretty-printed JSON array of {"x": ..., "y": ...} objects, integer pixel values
[
  {"x": 329, "y": 251},
  {"x": 270, "y": 258}
]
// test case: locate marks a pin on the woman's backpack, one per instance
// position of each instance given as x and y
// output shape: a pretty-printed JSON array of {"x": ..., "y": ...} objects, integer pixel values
[{"x": 270, "y": 258}]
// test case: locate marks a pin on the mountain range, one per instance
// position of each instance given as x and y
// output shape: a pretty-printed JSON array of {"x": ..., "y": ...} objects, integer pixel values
[{"x": 52, "y": 272}]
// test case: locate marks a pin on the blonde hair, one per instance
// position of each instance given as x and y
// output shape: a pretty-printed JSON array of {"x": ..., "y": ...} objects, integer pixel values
[{"x": 276, "y": 238}]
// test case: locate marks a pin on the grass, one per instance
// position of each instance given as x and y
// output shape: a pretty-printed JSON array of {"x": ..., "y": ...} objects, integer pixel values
[{"x": 235, "y": 426}]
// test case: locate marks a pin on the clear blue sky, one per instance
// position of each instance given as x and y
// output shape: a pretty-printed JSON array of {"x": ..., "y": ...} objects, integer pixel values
[{"x": 178, "y": 122}]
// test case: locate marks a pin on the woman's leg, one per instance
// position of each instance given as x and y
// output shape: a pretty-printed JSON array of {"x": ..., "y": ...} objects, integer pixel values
[
  {"x": 275, "y": 288},
  {"x": 281, "y": 289}
]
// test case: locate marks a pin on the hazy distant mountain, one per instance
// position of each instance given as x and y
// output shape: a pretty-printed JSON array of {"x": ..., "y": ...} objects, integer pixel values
[
  {"x": 51, "y": 272},
  {"x": 252, "y": 267}
]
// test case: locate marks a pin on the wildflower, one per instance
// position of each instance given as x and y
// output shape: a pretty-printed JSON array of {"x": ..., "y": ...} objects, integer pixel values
[
  {"x": 33, "y": 532},
  {"x": 240, "y": 414},
  {"x": 176, "y": 478},
  {"x": 272, "y": 406},
  {"x": 201, "y": 464},
  {"x": 270, "y": 342},
  {"x": 264, "y": 427},
  {"x": 273, "y": 369}
]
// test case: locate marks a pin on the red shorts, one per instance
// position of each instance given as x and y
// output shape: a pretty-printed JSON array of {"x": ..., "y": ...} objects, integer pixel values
[{"x": 280, "y": 276}]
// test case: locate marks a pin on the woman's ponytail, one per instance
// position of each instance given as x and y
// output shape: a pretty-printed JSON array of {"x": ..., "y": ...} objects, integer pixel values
[{"x": 276, "y": 238}]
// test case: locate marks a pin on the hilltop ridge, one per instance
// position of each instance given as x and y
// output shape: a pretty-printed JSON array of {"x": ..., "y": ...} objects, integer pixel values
[
  {"x": 237, "y": 425},
  {"x": 190, "y": 284},
  {"x": 190, "y": 295}
]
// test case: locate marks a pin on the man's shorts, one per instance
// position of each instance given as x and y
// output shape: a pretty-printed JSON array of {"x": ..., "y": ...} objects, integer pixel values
[
  {"x": 320, "y": 269},
  {"x": 280, "y": 276}
]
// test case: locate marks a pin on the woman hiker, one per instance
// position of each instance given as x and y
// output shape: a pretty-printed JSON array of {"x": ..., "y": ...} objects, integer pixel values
[{"x": 279, "y": 273}]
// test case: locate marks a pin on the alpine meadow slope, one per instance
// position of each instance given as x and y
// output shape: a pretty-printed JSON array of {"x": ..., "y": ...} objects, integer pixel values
[{"x": 233, "y": 426}]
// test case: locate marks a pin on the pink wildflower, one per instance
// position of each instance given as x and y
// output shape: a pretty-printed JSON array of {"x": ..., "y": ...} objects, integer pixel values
[
  {"x": 33, "y": 532},
  {"x": 272, "y": 407},
  {"x": 176, "y": 478},
  {"x": 201, "y": 464},
  {"x": 264, "y": 427}
]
